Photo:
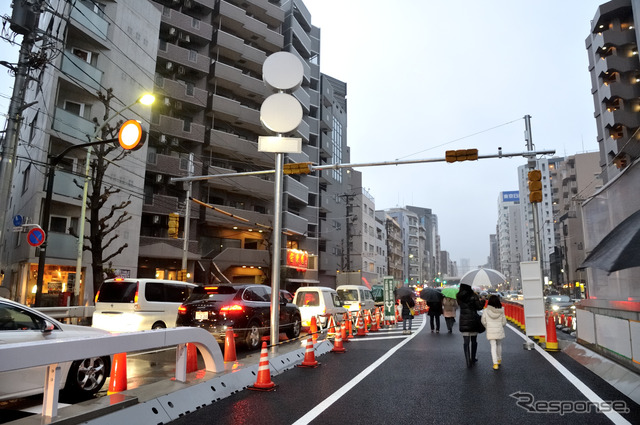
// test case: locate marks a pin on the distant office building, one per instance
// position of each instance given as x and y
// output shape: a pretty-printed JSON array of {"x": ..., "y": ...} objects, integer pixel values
[
  {"x": 394, "y": 246},
  {"x": 509, "y": 236}
]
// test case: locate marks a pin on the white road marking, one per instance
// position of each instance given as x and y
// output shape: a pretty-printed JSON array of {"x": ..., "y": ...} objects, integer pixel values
[
  {"x": 324, "y": 405},
  {"x": 615, "y": 417}
]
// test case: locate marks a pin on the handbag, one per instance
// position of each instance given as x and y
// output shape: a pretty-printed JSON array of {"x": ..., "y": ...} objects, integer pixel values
[
  {"x": 412, "y": 311},
  {"x": 479, "y": 326}
]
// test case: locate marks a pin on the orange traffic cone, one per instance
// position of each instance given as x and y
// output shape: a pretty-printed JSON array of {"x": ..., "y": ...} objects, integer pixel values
[
  {"x": 570, "y": 322},
  {"x": 309, "y": 356},
  {"x": 313, "y": 329},
  {"x": 349, "y": 325},
  {"x": 374, "y": 322},
  {"x": 118, "y": 377},
  {"x": 229, "y": 346},
  {"x": 192, "y": 357},
  {"x": 398, "y": 315},
  {"x": 343, "y": 333},
  {"x": 264, "y": 382},
  {"x": 331, "y": 325},
  {"x": 552, "y": 338},
  {"x": 337, "y": 345},
  {"x": 360, "y": 325},
  {"x": 367, "y": 320}
]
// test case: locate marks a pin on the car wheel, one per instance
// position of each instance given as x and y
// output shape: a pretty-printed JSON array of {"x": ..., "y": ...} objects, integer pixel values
[
  {"x": 86, "y": 377},
  {"x": 294, "y": 330},
  {"x": 159, "y": 325},
  {"x": 253, "y": 336}
]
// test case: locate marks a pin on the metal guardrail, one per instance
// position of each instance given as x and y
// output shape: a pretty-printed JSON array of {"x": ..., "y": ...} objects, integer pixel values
[
  {"x": 68, "y": 311},
  {"x": 51, "y": 353}
]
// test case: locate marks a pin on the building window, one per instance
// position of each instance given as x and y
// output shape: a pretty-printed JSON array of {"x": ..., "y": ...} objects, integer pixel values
[{"x": 25, "y": 178}]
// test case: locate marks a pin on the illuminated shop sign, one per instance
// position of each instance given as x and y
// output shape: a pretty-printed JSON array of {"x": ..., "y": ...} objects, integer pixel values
[{"x": 297, "y": 259}]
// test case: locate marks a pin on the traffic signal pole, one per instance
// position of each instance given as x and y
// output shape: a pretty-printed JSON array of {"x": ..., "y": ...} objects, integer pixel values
[{"x": 532, "y": 165}]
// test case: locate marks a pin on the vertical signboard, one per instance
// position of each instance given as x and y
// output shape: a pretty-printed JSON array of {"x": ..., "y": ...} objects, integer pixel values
[
  {"x": 533, "y": 301},
  {"x": 389, "y": 301}
]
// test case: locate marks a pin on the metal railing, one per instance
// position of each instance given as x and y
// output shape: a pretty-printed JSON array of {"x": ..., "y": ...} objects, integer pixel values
[{"x": 51, "y": 353}]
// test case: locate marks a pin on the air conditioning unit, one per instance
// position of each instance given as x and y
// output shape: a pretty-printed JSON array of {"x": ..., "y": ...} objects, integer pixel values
[
  {"x": 159, "y": 178},
  {"x": 178, "y": 105},
  {"x": 185, "y": 37},
  {"x": 175, "y": 141},
  {"x": 181, "y": 70},
  {"x": 173, "y": 32},
  {"x": 169, "y": 66},
  {"x": 167, "y": 101},
  {"x": 156, "y": 219},
  {"x": 163, "y": 139},
  {"x": 188, "y": 3}
]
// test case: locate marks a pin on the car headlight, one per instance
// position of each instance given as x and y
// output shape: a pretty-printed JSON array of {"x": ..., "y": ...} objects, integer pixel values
[{"x": 554, "y": 307}]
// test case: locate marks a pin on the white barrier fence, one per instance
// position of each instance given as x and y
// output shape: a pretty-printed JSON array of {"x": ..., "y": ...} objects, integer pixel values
[{"x": 51, "y": 353}]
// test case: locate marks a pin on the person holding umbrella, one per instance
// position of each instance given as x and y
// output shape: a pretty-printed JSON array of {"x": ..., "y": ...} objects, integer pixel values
[
  {"x": 407, "y": 303},
  {"x": 470, "y": 325},
  {"x": 449, "y": 307},
  {"x": 433, "y": 298}
]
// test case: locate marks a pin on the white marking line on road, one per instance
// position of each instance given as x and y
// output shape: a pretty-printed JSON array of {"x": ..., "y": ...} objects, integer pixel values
[
  {"x": 324, "y": 405},
  {"x": 376, "y": 338},
  {"x": 615, "y": 417}
]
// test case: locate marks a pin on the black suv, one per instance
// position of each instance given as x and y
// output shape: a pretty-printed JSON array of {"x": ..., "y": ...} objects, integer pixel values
[{"x": 247, "y": 308}]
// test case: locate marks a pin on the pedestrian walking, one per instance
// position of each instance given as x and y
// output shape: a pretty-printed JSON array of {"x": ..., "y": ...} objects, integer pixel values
[
  {"x": 435, "y": 311},
  {"x": 449, "y": 308},
  {"x": 407, "y": 303},
  {"x": 494, "y": 319},
  {"x": 470, "y": 324}
]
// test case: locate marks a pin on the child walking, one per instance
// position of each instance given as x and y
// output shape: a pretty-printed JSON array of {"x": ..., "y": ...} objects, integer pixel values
[{"x": 494, "y": 320}]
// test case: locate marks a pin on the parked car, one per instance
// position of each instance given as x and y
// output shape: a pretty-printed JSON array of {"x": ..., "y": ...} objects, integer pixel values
[
  {"x": 355, "y": 297},
  {"x": 128, "y": 305},
  {"x": 79, "y": 380},
  {"x": 246, "y": 308},
  {"x": 559, "y": 303},
  {"x": 318, "y": 301}
]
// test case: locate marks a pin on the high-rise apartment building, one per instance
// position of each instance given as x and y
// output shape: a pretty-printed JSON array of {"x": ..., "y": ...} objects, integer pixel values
[
  {"x": 394, "y": 247},
  {"x": 509, "y": 236}
]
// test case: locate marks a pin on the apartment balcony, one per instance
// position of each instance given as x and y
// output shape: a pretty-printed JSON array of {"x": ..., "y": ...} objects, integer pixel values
[
  {"x": 179, "y": 128},
  {"x": 170, "y": 165},
  {"x": 245, "y": 25},
  {"x": 303, "y": 97},
  {"x": 63, "y": 185},
  {"x": 189, "y": 58},
  {"x": 215, "y": 218},
  {"x": 89, "y": 19},
  {"x": 81, "y": 71},
  {"x": 247, "y": 185},
  {"x": 301, "y": 35},
  {"x": 325, "y": 119},
  {"x": 63, "y": 246},
  {"x": 616, "y": 63},
  {"x": 206, "y": 4},
  {"x": 302, "y": 130},
  {"x": 618, "y": 89},
  {"x": 168, "y": 248},
  {"x": 161, "y": 204},
  {"x": 626, "y": 118},
  {"x": 181, "y": 92},
  {"x": 186, "y": 23},
  {"x": 234, "y": 48},
  {"x": 325, "y": 146},
  {"x": 294, "y": 223},
  {"x": 234, "y": 79},
  {"x": 72, "y": 125},
  {"x": 306, "y": 68},
  {"x": 234, "y": 146},
  {"x": 232, "y": 111},
  {"x": 294, "y": 188},
  {"x": 613, "y": 38},
  {"x": 238, "y": 257}
]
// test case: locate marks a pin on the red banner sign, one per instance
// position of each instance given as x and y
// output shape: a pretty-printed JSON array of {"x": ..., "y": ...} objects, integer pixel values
[{"x": 298, "y": 259}]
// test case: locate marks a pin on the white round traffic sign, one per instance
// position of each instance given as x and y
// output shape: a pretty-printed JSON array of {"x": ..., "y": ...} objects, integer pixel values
[
  {"x": 281, "y": 113},
  {"x": 282, "y": 71}
]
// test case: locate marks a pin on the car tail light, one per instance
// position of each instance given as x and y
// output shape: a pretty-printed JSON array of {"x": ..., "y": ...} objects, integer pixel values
[
  {"x": 182, "y": 309},
  {"x": 136, "y": 306},
  {"x": 97, "y": 296},
  {"x": 232, "y": 308}
]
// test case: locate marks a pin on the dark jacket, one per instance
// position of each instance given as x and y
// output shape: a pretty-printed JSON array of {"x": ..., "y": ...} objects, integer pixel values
[
  {"x": 435, "y": 308},
  {"x": 407, "y": 303},
  {"x": 469, "y": 304}
]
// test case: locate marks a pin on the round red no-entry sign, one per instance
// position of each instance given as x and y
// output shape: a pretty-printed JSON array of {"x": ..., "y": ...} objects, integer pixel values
[{"x": 36, "y": 236}]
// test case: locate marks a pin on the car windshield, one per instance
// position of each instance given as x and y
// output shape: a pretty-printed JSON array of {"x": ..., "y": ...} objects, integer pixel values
[
  {"x": 558, "y": 299},
  {"x": 214, "y": 293},
  {"x": 378, "y": 293},
  {"x": 348, "y": 294},
  {"x": 117, "y": 291}
]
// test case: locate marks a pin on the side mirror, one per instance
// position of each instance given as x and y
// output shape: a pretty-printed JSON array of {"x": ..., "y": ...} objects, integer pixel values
[{"x": 48, "y": 327}]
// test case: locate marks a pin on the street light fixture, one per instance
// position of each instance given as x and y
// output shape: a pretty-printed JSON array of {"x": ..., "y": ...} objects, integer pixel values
[{"x": 146, "y": 99}]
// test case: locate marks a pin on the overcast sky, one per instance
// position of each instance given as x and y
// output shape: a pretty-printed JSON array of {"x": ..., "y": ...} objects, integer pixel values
[{"x": 427, "y": 76}]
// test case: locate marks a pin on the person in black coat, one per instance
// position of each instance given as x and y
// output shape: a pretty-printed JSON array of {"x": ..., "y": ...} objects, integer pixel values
[
  {"x": 435, "y": 311},
  {"x": 469, "y": 303},
  {"x": 407, "y": 303}
]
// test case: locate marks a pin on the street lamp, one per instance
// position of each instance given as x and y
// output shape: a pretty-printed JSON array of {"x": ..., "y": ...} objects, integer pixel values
[{"x": 146, "y": 99}]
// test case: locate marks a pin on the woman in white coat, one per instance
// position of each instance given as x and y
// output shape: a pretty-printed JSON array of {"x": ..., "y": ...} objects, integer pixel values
[{"x": 494, "y": 320}]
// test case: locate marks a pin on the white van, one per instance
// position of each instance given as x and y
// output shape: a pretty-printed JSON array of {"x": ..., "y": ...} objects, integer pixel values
[
  {"x": 356, "y": 297},
  {"x": 128, "y": 305},
  {"x": 318, "y": 301}
]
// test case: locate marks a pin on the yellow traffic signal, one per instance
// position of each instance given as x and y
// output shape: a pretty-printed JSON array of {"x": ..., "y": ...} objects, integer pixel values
[
  {"x": 297, "y": 168},
  {"x": 535, "y": 186},
  {"x": 461, "y": 155},
  {"x": 174, "y": 223}
]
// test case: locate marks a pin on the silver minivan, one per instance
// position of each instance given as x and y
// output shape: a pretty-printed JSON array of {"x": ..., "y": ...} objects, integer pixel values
[
  {"x": 356, "y": 297},
  {"x": 128, "y": 305}
]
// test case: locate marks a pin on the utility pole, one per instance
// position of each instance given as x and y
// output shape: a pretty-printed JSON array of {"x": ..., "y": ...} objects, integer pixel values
[
  {"x": 24, "y": 20},
  {"x": 187, "y": 218},
  {"x": 532, "y": 165},
  {"x": 348, "y": 197}
]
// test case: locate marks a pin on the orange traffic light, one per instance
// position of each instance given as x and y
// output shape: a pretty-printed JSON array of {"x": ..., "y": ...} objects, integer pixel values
[
  {"x": 535, "y": 186},
  {"x": 174, "y": 223}
]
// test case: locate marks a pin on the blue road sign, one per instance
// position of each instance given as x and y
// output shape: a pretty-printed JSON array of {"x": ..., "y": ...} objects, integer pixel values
[
  {"x": 36, "y": 236},
  {"x": 17, "y": 220}
]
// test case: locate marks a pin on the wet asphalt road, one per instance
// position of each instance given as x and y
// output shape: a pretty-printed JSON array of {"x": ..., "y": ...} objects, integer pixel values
[{"x": 389, "y": 378}]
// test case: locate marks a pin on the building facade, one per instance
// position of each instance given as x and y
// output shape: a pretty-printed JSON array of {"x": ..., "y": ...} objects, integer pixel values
[{"x": 509, "y": 236}]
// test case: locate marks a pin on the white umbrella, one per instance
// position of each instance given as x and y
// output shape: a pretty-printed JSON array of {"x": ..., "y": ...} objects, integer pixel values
[{"x": 483, "y": 277}]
